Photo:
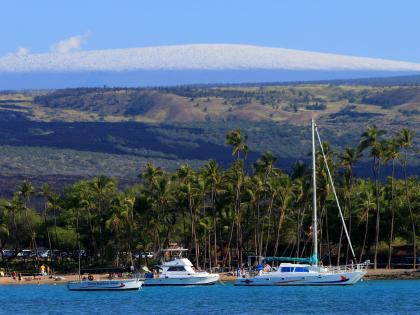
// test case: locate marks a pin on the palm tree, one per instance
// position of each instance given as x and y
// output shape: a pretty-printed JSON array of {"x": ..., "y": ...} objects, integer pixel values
[
  {"x": 392, "y": 152},
  {"x": 405, "y": 141},
  {"x": 103, "y": 189},
  {"x": 46, "y": 193},
  {"x": 265, "y": 165},
  {"x": 347, "y": 159},
  {"x": 26, "y": 191},
  {"x": 324, "y": 190},
  {"x": 366, "y": 205},
  {"x": 236, "y": 179},
  {"x": 121, "y": 223},
  {"x": 189, "y": 192},
  {"x": 272, "y": 187},
  {"x": 55, "y": 207},
  {"x": 212, "y": 176},
  {"x": 150, "y": 173},
  {"x": 4, "y": 229},
  {"x": 12, "y": 209},
  {"x": 255, "y": 189},
  {"x": 286, "y": 196},
  {"x": 371, "y": 139},
  {"x": 161, "y": 198},
  {"x": 238, "y": 142}
]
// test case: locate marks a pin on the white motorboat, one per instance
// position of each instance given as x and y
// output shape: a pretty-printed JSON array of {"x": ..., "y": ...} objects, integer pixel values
[
  {"x": 307, "y": 271},
  {"x": 105, "y": 285},
  {"x": 179, "y": 272}
]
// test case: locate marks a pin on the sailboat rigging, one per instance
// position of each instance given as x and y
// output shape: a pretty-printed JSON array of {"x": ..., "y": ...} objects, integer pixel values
[{"x": 308, "y": 271}]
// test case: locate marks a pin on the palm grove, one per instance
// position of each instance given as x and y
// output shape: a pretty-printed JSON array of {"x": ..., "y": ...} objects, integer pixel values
[{"x": 225, "y": 215}]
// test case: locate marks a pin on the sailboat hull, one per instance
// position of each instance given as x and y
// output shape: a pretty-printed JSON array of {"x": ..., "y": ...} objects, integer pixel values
[
  {"x": 317, "y": 279},
  {"x": 105, "y": 285}
]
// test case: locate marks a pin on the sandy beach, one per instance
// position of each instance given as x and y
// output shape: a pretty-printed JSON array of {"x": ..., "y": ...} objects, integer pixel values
[{"x": 378, "y": 274}]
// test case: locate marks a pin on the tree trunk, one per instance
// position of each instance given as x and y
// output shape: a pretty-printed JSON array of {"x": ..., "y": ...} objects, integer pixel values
[
  {"x": 377, "y": 174},
  {"x": 48, "y": 232},
  {"x": 270, "y": 209},
  {"x": 213, "y": 205},
  {"x": 280, "y": 223},
  {"x": 391, "y": 232},
  {"x": 230, "y": 241},
  {"x": 413, "y": 223},
  {"x": 350, "y": 226},
  {"x": 365, "y": 236},
  {"x": 193, "y": 232},
  {"x": 339, "y": 245}
]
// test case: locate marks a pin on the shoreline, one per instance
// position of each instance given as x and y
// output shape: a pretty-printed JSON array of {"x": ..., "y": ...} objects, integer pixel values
[{"x": 378, "y": 274}]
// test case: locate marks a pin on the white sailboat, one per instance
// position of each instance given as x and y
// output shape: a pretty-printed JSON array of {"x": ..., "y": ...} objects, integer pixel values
[
  {"x": 105, "y": 285},
  {"x": 308, "y": 271},
  {"x": 179, "y": 272},
  {"x": 90, "y": 284}
]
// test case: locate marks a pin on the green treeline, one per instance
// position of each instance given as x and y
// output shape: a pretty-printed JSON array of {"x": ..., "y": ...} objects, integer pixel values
[{"x": 225, "y": 215}]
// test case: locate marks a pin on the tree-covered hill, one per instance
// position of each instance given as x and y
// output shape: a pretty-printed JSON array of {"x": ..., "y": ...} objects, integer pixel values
[{"x": 115, "y": 131}]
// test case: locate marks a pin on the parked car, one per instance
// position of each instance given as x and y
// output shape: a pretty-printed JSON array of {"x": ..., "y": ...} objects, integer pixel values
[
  {"x": 25, "y": 253},
  {"x": 143, "y": 255},
  {"x": 8, "y": 253}
]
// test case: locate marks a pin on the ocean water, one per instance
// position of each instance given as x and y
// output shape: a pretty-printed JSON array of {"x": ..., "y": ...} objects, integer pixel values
[{"x": 368, "y": 297}]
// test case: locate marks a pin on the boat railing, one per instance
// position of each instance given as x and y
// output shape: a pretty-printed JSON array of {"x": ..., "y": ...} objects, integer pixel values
[{"x": 348, "y": 268}]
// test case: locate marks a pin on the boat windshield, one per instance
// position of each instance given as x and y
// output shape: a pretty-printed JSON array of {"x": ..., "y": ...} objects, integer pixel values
[{"x": 176, "y": 268}]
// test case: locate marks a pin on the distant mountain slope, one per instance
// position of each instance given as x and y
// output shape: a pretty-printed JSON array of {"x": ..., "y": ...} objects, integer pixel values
[
  {"x": 73, "y": 133},
  {"x": 291, "y": 104},
  {"x": 187, "y": 64}
]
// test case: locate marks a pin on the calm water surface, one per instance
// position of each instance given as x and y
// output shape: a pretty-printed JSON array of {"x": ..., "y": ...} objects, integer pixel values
[{"x": 373, "y": 297}]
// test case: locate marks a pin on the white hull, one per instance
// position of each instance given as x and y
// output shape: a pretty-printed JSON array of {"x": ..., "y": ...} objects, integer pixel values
[
  {"x": 294, "y": 279},
  {"x": 105, "y": 285},
  {"x": 182, "y": 280}
]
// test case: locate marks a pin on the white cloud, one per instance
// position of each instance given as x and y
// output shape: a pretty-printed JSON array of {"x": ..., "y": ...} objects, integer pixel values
[
  {"x": 69, "y": 44},
  {"x": 22, "y": 51}
]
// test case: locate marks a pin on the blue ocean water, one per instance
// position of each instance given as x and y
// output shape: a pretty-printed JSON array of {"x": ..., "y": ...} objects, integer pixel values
[{"x": 372, "y": 297}]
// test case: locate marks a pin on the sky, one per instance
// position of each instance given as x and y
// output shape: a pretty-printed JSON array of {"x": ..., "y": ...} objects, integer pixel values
[{"x": 371, "y": 28}]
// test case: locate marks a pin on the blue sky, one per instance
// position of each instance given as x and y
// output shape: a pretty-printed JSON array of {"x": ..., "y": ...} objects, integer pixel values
[{"x": 372, "y": 28}]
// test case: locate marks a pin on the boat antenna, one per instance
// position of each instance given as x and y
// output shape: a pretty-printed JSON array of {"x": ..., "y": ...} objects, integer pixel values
[
  {"x": 314, "y": 216},
  {"x": 335, "y": 194}
]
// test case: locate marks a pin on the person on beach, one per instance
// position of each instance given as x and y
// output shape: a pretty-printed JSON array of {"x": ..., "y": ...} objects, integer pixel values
[
  {"x": 42, "y": 269},
  {"x": 19, "y": 276}
]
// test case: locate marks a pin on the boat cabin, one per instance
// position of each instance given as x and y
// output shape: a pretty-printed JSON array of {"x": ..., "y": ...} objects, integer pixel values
[{"x": 177, "y": 266}]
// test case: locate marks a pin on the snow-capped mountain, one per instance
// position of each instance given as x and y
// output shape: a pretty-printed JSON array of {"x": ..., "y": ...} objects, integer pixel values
[
  {"x": 144, "y": 65},
  {"x": 196, "y": 57}
]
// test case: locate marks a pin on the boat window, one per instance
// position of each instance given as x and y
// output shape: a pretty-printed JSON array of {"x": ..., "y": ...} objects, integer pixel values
[
  {"x": 176, "y": 268},
  {"x": 294, "y": 269}
]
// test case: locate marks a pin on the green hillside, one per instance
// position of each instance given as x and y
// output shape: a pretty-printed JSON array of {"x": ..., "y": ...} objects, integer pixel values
[
  {"x": 291, "y": 104},
  {"x": 115, "y": 131}
]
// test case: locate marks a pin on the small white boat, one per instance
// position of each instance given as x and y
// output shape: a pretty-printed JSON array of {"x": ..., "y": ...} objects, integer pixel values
[
  {"x": 105, "y": 285},
  {"x": 307, "y": 271},
  {"x": 179, "y": 272}
]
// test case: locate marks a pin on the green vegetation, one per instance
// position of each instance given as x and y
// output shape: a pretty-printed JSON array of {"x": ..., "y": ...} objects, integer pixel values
[
  {"x": 48, "y": 161},
  {"x": 224, "y": 214},
  {"x": 114, "y": 131}
]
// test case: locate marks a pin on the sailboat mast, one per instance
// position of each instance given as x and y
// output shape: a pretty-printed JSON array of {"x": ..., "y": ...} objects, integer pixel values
[{"x": 314, "y": 216}]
